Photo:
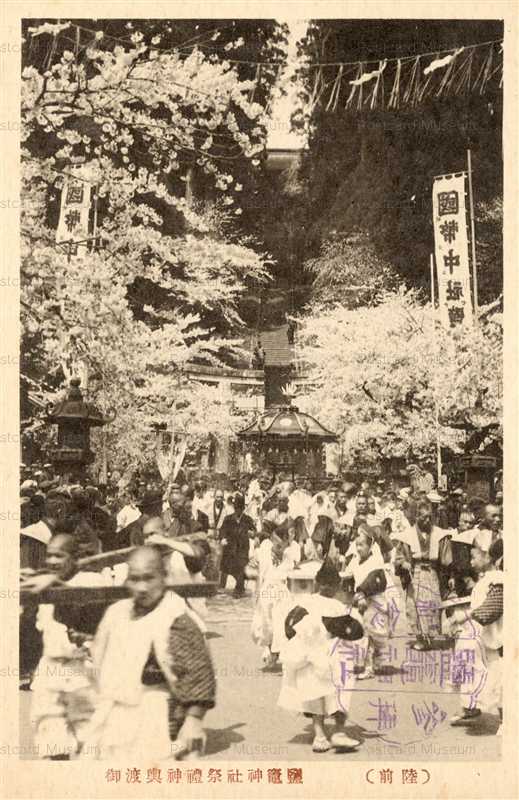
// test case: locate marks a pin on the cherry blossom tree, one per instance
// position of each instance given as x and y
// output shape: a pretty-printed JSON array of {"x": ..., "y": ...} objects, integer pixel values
[
  {"x": 120, "y": 118},
  {"x": 381, "y": 376}
]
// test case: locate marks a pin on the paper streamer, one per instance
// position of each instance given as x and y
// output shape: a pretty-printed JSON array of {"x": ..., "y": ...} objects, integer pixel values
[
  {"x": 368, "y": 76},
  {"x": 394, "y": 98},
  {"x": 438, "y": 63}
]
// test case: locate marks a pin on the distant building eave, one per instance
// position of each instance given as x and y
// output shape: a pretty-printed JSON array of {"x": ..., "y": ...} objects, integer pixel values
[{"x": 281, "y": 158}]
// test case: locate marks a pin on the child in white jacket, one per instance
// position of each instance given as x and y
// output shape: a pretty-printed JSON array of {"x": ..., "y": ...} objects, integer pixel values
[
  {"x": 482, "y": 627},
  {"x": 315, "y": 681},
  {"x": 371, "y": 581}
]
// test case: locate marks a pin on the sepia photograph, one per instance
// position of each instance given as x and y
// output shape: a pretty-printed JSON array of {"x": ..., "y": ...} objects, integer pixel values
[{"x": 261, "y": 399}]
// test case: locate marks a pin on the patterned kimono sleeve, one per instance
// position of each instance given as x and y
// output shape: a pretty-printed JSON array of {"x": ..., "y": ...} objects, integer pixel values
[
  {"x": 492, "y": 607},
  {"x": 195, "y": 688},
  {"x": 191, "y": 663}
]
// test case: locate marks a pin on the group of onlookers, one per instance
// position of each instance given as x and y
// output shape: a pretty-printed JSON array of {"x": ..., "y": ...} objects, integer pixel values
[
  {"x": 319, "y": 524},
  {"x": 374, "y": 550}
]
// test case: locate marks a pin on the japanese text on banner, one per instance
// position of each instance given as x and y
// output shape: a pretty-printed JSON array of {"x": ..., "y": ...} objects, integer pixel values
[
  {"x": 74, "y": 212},
  {"x": 452, "y": 250}
]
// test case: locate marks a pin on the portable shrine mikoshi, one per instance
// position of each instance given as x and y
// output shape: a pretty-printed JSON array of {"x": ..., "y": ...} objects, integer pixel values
[{"x": 288, "y": 440}]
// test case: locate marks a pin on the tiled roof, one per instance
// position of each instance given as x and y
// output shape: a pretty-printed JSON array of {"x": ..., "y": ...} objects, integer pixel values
[{"x": 278, "y": 352}]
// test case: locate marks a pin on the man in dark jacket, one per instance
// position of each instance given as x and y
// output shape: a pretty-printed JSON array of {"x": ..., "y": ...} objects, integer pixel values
[
  {"x": 235, "y": 536},
  {"x": 178, "y": 517}
]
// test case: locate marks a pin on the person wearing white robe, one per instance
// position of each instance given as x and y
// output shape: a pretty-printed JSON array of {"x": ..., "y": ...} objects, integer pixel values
[
  {"x": 371, "y": 580},
  {"x": 479, "y": 640},
  {"x": 298, "y": 504},
  {"x": 149, "y": 684},
  {"x": 318, "y": 676},
  {"x": 276, "y": 557},
  {"x": 62, "y": 698}
]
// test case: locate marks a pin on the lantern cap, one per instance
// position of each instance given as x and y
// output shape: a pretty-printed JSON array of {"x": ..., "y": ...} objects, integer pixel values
[{"x": 73, "y": 407}]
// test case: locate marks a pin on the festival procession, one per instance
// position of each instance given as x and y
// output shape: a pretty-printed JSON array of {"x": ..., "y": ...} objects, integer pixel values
[{"x": 261, "y": 482}]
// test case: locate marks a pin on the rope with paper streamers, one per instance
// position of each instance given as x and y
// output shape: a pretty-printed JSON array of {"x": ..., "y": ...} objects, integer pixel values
[
  {"x": 462, "y": 70},
  {"x": 361, "y": 82}
]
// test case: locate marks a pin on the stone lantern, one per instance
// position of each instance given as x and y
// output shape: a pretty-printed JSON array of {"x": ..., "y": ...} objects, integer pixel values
[{"x": 74, "y": 419}]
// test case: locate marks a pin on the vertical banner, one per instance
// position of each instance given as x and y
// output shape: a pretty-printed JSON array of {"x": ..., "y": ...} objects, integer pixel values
[
  {"x": 74, "y": 212},
  {"x": 180, "y": 454},
  {"x": 451, "y": 244}
]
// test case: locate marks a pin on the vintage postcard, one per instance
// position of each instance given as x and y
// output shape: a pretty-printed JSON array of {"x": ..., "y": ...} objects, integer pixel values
[{"x": 259, "y": 400}]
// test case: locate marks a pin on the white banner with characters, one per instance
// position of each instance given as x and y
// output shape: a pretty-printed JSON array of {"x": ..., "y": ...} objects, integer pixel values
[
  {"x": 451, "y": 242},
  {"x": 74, "y": 213}
]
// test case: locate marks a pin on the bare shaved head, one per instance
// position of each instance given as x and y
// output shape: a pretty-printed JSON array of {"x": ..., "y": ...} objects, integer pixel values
[
  {"x": 147, "y": 558},
  {"x": 146, "y": 579}
]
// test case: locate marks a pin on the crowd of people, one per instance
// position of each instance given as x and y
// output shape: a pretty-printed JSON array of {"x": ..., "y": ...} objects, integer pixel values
[{"x": 367, "y": 549}]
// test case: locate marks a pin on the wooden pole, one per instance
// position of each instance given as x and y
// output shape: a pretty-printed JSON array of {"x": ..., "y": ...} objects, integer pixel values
[
  {"x": 83, "y": 366},
  {"x": 104, "y": 462},
  {"x": 433, "y": 298},
  {"x": 436, "y": 414},
  {"x": 94, "y": 231},
  {"x": 189, "y": 186},
  {"x": 473, "y": 239}
]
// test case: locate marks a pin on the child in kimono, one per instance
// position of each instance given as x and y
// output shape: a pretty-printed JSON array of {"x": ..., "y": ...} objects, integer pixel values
[
  {"x": 370, "y": 581},
  {"x": 480, "y": 630},
  {"x": 315, "y": 680}
]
